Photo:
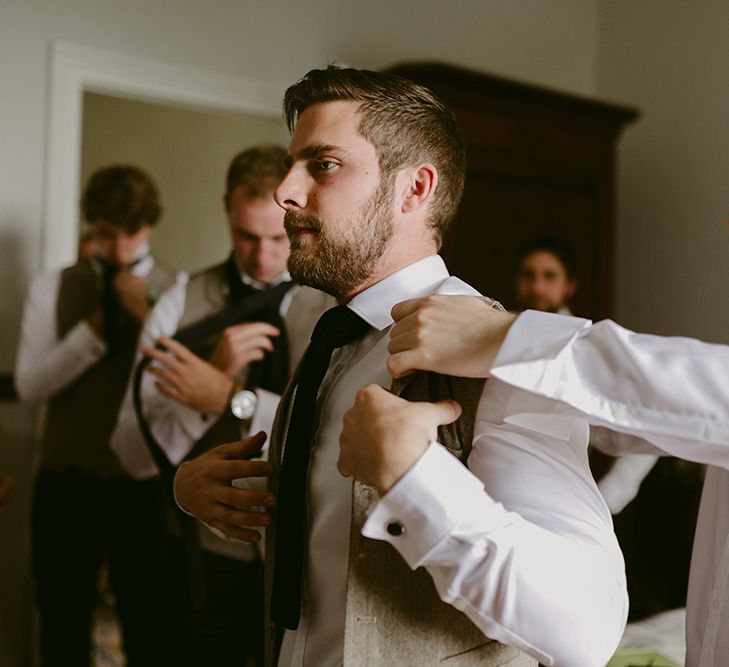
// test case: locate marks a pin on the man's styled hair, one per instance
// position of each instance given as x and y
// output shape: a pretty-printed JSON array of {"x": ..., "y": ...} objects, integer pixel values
[
  {"x": 404, "y": 121},
  {"x": 122, "y": 195},
  {"x": 553, "y": 245},
  {"x": 259, "y": 170}
]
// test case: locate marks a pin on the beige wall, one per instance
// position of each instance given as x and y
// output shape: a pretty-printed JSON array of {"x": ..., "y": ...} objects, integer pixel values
[
  {"x": 669, "y": 58},
  {"x": 551, "y": 42},
  {"x": 186, "y": 152}
]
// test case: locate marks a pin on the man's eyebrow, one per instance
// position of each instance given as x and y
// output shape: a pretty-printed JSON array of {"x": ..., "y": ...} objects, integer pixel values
[{"x": 313, "y": 151}]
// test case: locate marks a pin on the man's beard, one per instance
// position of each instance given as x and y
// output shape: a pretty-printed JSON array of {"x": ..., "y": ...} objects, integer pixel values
[
  {"x": 544, "y": 304},
  {"x": 340, "y": 263}
]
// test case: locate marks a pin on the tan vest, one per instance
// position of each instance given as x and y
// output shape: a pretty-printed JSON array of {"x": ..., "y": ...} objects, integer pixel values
[
  {"x": 81, "y": 417},
  {"x": 394, "y": 616},
  {"x": 207, "y": 293}
]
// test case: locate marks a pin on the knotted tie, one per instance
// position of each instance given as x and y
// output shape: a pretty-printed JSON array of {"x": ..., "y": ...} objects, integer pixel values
[
  {"x": 336, "y": 327},
  {"x": 271, "y": 372}
]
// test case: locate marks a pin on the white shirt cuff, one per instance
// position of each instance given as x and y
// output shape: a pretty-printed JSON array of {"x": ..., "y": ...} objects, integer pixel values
[
  {"x": 428, "y": 502},
  {"x": 533, "y": 341}
]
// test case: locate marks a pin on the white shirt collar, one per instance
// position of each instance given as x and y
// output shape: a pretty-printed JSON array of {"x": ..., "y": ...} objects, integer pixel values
[
  {"x": 411, "y": 282},
  {"x": 257, "y": 284},
  {"x": 143, "y": 258}
]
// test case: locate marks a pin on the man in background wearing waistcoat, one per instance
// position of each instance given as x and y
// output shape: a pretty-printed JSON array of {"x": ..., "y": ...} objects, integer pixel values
[
  {"x": 515, "y": 537},
  {"x": 79, "y": 336},
  {"x": 222, "y": 389}
]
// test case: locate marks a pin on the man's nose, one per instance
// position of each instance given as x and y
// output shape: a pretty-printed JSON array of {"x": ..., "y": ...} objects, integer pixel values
[
  {"x": 291, "y": 193},
  {"x": 260, "y": 251}
]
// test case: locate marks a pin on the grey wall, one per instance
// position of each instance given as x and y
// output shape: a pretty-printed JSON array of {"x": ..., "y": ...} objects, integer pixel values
[{"x": 670, "y": 58}]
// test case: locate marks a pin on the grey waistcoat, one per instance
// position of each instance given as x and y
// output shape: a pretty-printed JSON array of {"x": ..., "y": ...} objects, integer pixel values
[
  {"x": 394, "y": 616},
  {"x": 82, "y": 416}
]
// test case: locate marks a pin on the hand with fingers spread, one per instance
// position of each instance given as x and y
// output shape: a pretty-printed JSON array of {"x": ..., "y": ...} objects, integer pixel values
[
  {"x": 383, "y": 435},
  {"x": 203, "y": 488},
  {"x": 453, "y": 335},
  {"x": 241, "y": 344},
  {"x": 185, "y": 377}
]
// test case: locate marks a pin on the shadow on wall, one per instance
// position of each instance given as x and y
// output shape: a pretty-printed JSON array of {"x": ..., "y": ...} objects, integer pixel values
[{"x": 17, "y": 458}]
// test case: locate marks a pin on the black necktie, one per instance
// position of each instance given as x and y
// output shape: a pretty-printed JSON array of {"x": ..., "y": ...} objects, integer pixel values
[
  {"x": 110, "y": 308},
  {"x": 336, "y": 327}
]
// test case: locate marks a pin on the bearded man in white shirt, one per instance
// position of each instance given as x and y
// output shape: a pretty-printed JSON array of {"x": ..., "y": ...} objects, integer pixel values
[
  {"x": 515, "y": 537},
  {"x": 78, "y": 340}
]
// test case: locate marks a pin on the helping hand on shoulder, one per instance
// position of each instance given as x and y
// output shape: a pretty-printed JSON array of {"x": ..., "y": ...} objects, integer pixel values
[
  {"x": 203, "y": 489},
  {"x": 453, "y": 335}
]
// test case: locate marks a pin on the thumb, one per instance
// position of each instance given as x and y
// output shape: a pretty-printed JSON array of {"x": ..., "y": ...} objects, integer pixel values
[
  {"x": 244, "y": 448},
  {"x": 443, "y": 412}
]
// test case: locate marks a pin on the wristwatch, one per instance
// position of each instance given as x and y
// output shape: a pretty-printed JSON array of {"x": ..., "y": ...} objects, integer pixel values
[{"x": 243, "y": 404}]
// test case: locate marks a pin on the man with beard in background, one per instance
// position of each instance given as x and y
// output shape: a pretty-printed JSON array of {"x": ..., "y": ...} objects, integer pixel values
[{"x": 503, "y": 514}]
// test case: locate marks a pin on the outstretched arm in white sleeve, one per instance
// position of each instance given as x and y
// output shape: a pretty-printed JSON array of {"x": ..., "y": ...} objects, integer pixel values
[{"x": 672, "y": 392}]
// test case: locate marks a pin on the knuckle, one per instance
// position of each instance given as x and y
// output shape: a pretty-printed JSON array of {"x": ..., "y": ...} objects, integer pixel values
[{"x": 363, "y": 394}]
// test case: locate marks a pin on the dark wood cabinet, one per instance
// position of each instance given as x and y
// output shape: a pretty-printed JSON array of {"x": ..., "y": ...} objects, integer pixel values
[{"x": 539, "y": 162}]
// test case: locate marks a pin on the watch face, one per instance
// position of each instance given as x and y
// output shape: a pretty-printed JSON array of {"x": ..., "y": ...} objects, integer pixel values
[{"x": 243, "y": 404}]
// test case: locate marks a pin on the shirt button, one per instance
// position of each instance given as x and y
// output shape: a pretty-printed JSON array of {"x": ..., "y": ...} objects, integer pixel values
[
  {"x": 716, "y": 603},
  {"x": 395, "y": 528}
]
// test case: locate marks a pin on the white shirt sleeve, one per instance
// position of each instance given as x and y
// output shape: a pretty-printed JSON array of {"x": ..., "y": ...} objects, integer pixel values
[
  {"x": 46, "y": 363},
  {"x": 520, "y": 541},
  {"x": 175, "y": 426},
  {"x": 622, "y": 482},
  {"x": 672, "y": 392}
]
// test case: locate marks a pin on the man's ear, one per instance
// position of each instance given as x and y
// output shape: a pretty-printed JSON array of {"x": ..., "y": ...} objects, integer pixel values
[
  {"x": 418, "y": 185},
  {"x": 571, "y": 288}
]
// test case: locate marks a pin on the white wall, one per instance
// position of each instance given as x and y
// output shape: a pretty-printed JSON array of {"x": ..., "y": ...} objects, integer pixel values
[
  {"x": 545, "y": 41},
  {"x": 669, "y": 58}
]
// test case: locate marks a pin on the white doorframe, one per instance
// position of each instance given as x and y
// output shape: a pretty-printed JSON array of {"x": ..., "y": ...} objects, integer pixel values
[{"x": 75, "y": 69}]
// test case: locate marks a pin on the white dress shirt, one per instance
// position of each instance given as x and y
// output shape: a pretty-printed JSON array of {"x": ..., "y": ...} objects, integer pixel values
[
  {"x": 521, "y": 541},
  {"x": 621, "y": 483},
  {"x": 47, "y": 363},
  {"x": 670, "y": 394},
  {"x": 176, "y": 426}
]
